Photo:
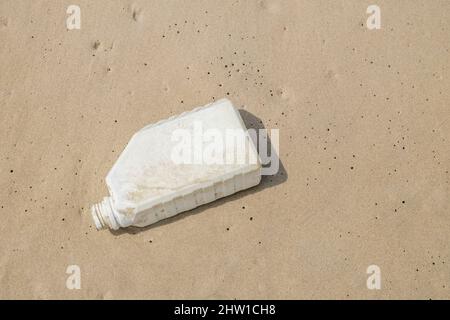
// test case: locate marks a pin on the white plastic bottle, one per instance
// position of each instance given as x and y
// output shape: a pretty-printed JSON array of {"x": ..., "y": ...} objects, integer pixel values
[{"x": 178, "y": 164}]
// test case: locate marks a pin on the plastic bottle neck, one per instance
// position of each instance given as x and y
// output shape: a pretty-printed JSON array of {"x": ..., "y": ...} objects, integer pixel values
[{"x": 103, "y": 214}]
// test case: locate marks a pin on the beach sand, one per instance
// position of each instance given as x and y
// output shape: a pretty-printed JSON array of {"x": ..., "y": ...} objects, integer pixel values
[{"x": 363, "y": 117}]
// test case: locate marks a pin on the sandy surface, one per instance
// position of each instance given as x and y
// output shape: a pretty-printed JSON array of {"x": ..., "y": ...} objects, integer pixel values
[{"x": 364, "y": 141}]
